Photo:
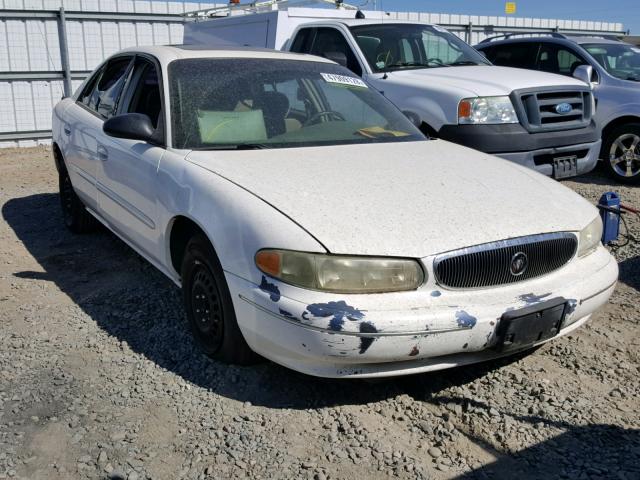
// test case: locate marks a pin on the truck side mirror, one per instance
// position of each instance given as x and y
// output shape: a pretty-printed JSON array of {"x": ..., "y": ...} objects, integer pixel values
[
  {"x": 338, "y": 57},
  {"x": 584, "y": 73}
]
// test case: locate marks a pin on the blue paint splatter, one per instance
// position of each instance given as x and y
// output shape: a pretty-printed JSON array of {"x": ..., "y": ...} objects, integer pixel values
[
  {"x": 530, "y": 298},
  {"x": 271, "y": 288},
  {"x": 339, "y": 311},
  {"x": 436, "y": 293},
  {"x": 365, "y": 342},
  {"x": 465, "y": 320},
  {"x": 285, "y": 313},
  {"x": 336, "y": 323}
]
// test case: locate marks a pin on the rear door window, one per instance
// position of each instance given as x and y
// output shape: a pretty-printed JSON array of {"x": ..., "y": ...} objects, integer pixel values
[{"x": 303, "y": 40}]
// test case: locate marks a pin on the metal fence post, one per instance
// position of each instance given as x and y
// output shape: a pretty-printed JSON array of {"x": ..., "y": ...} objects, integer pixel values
[
  {"x": 64, "y": 53},
  {"x": 469, "y": 32}
]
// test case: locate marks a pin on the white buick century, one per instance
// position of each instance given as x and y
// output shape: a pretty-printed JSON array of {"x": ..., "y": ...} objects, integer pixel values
[{"x": 308, "y": 221}]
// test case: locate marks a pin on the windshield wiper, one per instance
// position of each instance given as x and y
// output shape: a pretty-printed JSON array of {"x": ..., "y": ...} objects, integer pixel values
[
  {"x": 409, "y": 64},
  {"x": 235, "y": 146},
  {"x": 460, "y": 63}
]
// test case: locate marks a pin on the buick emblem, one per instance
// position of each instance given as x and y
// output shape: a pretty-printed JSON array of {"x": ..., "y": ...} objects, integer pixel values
[
  {"x": 519, "y": 264},
  {"x": 563, "y": 108}
]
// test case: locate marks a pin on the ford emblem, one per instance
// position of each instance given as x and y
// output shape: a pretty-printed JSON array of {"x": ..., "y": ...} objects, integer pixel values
[
  {"x": 519, "y": 264},
  {"x": 563, "y": 108}
]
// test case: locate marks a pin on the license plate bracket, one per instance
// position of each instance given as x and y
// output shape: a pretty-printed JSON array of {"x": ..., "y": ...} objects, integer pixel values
[
  {"x": 526, "y": 326},
  {"x": 564, "y": 167}
]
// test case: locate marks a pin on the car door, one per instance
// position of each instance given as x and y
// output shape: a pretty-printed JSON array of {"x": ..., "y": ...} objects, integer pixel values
[
  {"x": 83, "y": 126},
  {"x": 127, "y": 173}
]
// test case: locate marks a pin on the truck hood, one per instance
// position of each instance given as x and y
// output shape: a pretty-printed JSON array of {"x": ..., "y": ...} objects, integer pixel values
[
  {"x": 409, "y": 199},
  {"x": 483, "y": 80}
]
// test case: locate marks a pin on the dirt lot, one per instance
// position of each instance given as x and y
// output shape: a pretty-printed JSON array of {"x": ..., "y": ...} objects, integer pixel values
[{"x": 99, "y": 378}]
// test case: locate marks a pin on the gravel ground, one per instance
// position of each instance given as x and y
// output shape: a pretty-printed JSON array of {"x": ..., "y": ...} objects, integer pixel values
[{"x": 100, "y": 379}]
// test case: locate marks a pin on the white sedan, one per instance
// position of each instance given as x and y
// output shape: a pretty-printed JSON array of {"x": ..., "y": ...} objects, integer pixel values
[{"x": 308, "y": 221}]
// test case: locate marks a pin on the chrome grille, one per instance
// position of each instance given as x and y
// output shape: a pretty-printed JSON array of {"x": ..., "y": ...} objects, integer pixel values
[
  {"x": 538, "y": 109},
  {"x": 489, "y": 264}
]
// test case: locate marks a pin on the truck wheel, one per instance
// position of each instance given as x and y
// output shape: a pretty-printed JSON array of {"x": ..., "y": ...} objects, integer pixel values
[
  {"x": 209, "y": 307},
  {"x": 76, "y": 217},
  {"x": 621, "y": 153}
]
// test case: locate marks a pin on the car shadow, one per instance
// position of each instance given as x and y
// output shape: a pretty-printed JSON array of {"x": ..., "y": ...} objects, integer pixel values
[
  {"x": 134, "y": 303},
  {"x": 576, "y": 451}
]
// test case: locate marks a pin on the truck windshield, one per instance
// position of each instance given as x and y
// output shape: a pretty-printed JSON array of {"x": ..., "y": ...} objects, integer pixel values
[
  {"x": 619, "y": 59},
  {"x": 399, "y": 46},
  {"x": 244, "y": 103}
]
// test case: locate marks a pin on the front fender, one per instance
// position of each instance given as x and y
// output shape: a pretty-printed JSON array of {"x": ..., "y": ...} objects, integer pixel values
[{"x": 237, "y": 223}]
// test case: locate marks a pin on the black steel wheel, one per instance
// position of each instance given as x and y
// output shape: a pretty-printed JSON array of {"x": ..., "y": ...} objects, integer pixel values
[
  {"x": 209, "y": 306},
  {"x": 75, "y": 215}
]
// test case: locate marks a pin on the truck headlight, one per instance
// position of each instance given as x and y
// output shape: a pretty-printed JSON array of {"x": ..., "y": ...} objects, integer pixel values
[
  {"x": 341, "y": 273},
  {"x": 590, "y": 237},
  {"x": 486, "y": 110}
]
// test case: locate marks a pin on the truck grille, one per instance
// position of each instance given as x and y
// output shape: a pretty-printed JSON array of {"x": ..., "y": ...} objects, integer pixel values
[
  {"x": 542, "y": 110},
  {"x": 490, "y": 264}
]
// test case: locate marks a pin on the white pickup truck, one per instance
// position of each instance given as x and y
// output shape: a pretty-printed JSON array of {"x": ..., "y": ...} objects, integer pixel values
[{"x": 540, "y": 120}]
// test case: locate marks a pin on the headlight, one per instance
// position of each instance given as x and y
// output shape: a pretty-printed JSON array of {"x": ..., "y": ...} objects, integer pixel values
[
  {"x": 590, "y": 237},
  {"x": 339, "y": 273},
  {"x": 486, "y": 110}
]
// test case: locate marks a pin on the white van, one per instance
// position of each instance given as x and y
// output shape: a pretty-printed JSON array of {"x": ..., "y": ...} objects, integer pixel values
[{"x": 537, "y": 119}]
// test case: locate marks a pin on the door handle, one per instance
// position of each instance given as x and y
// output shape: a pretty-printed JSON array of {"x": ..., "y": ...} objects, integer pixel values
[
  {"x": 102, "y": 152},
  {"x": 67, "y": 131}
]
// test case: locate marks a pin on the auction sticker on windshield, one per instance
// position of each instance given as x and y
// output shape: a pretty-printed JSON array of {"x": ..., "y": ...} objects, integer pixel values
[{"x": 343, "y": 80}]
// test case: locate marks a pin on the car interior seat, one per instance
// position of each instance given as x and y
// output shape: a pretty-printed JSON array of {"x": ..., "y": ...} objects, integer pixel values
[{"x": 274, "y": 106}]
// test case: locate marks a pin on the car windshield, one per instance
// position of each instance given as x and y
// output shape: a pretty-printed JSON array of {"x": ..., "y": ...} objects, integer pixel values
[
  {"x": 404, "y": 46},
  {"x": 619, "y": 59},
  {"x": 247, "y": 103}
]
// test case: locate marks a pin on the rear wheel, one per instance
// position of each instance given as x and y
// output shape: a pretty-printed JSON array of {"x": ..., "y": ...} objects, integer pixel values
[
  {"x": 75, "y": 215},
  {"x": 209, "y": 307},
  {"x": 621, "y": 153}
]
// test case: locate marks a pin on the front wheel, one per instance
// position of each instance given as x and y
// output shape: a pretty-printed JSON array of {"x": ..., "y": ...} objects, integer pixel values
[
  {"x": 621, "y": 153},
  {"x": 209, "y": 307}
]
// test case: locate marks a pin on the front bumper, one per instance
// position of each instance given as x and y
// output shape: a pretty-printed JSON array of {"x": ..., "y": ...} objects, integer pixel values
[
  {"x": 403, "y": 333},
  {"x": 534, "y": 150}
]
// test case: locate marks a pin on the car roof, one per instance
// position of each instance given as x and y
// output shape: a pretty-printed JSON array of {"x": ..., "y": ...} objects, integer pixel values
[
  {"x": 355, "y": 22},
  {"x": 565, "y": 39},
  {"x": 168, "y": 53}
]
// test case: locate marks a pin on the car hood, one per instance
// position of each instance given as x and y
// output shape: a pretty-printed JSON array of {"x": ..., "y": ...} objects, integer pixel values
[
  {"x": 409, "y": 199},
  {"x": 486, "y": 80}
]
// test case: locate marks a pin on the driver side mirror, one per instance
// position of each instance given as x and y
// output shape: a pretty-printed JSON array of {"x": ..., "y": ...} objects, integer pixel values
[
  {"x": 133, "y": 126},
  {"x": 338, "y": 57},
  {"x": 584, "y": 73}
]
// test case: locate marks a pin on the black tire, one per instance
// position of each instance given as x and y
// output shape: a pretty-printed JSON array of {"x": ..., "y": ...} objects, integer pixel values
[
  {"x": 75, "y": 215},
  {"x": 209, "y": 307},
  {"x": 621, "y": 153}
]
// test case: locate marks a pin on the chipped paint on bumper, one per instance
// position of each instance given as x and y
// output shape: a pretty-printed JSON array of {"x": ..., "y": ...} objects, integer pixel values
[{"x": 329, "y": 335}]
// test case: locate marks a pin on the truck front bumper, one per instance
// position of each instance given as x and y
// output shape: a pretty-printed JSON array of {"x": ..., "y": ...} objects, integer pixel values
[
  {"x": 534, "y": 150},
  {"x": 391, "y": 334}
]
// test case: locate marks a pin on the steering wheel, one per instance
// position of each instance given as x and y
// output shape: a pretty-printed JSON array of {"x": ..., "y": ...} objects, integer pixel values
[
  {"x": 324, "y": 113},
  {"x": 435, "y": 60}
]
